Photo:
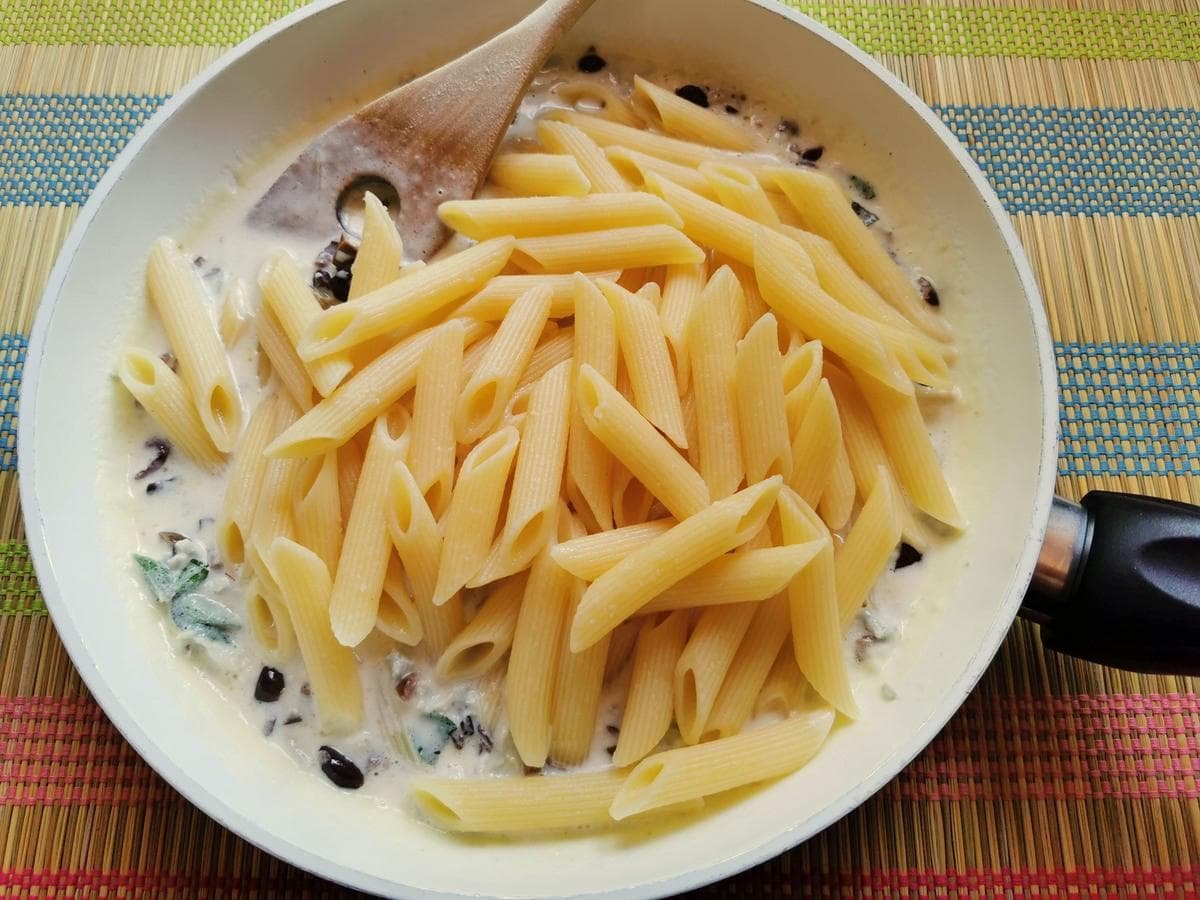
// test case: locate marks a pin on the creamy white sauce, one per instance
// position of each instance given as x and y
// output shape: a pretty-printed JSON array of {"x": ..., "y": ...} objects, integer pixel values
[{"x": 188, "y": 500}]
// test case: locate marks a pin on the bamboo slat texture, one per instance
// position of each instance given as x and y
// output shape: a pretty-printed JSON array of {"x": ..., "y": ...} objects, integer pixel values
[{"x": 1057, "y": 778}]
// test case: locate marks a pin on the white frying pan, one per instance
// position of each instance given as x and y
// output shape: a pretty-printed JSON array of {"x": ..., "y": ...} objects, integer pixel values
[{"x": 1131, "y": 600}]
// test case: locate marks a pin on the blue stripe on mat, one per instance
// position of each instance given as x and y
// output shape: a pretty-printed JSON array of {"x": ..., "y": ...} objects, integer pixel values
[
  {"x": 53, "y": 148},
  {"x": 1126, "y": 409}
]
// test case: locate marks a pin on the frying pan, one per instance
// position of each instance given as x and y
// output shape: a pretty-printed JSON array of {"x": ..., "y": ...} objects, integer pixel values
[{"x": 1115, "y": 580}]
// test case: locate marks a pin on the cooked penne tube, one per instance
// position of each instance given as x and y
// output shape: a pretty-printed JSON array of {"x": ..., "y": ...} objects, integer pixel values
[
  {"x": 166, "y": 399},
  {"x": 620, "y": 648},
  {"x": 635, "y": 166},
  {"x": 704, "y": 663},
  {"x": 552, "y": 350},
  {"x": 318, "y": 509},
  {"x": 471, "y": 518},
  {"x": 823, "y": 207},
  {"x": 432, "y": 449},
  {"x": 631, "y": 500},
  {"x": 539, "y": 174},
  {"x": 869, "y": 545},
  {"x": 864, "y": 447},
  {"x": 398, "y": 617},
  {"x": 681, "y": 290},
  {"x": 677, "y": 116},
  {"x": 802, "y": 373},
  {"x": 273, "y": 505},
  {"x": 536, "y": 480},
  {"x": 270, "y": 623},
  {"x": 639, "y": 447},
  {"x": 815, "y": 447},
  {"x": 649, "y": 707},
  {"x": 487, "y": 637},
  {"x": 590, "y": 557},
  {"x": 415, "y": 534},
  {"x": 380, "y": 252},
  {"x": 560, "y": 137},
  {"x": 405, "y": 304},
  {"x": 908, "y": 445},
  {"x": 362, "y": 398},
  {"x": 738, "y": 189},
  {"x": 538, "y": 216},
  {"x": 332, "y": 671},
  {"x": 613, "y": 248},
  {"x": 175, "y": 289},
  {"x": 706, "y": 222},
  {"x": 817, "y": 628},
  {"x": 536, "y": 648},
  {"x": 235, "y": 316},
  {"x": 245, "y": 481},
  {"x": 295, "y": 307},
  {"x": 768, "y": 631},
  {"x": 589, "y": 465},
  {"x": 648, "y": 571},
  {"x": 761, "y": 403},
  {"x": 286, "y": 365},
  {"x": 515, "y": 805},
  {"x": 496, "y": 298},
  {"x": 354, "y": 603},
  {"x": 712, "y": 356},
  {"x": 606, "y": 134},
  {"x": 799, "y": 299},
  {"x": 687, "y": 773},
  {"x": 745, "y": 577},
  {"x": 576, "y": 693},
  {"x": 647, "y": 359},
  {"x": 785, "y": 689},
  {"x": 837, "y": 500},
  {"x": 601, "y": 100}
]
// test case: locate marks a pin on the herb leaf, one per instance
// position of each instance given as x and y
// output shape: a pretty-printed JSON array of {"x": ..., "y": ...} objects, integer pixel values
[
  {"x": 190, "y": 576},
  {"x": 208, "y": 618},
  {"x": 162, "y": 580},
  {"x": 430, "y": 734}
]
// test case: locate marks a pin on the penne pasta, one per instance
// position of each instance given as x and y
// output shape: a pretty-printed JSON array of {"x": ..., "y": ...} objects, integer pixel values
[
  {"x": 680, "y": 117},
  {"x": 589, "y": 465},
  {"x": 472, "y": 516},
  {"x": 712, "y": 357},
  {"x": 761, "y": 403},
  {"x": 738, "y": 189},
  {"x": 768, "y": 631},
  {"x": 590, "y": 557},
  {"x": 785, "y": 689},
  {"x": 539, "y": 175},
  {"x": 824, "y": 209},
  {"x": 165, "y": 397},
  {"x": 802, "y": 372},
  {"x": 178, "y": 296},
  {"x": 560, "y": 137},
  {"x": 649, "y": 570},
  {"x": 404, "y": 305},
  {"x": 515, "y": 805},
  {"x": 398, "y": 617},
  {"x": 817, "y": 627},
  {"x": 675, "y": 776},
  {"x": 704, "y": 663},
  {"x": 815, "y": 447},
  {"x": 606, "y": 134},
  {"x": 539, "y": 216},
  {"x": 318, "y": 509},
  {"x": 869, "y": 545},
  {"x": 245, "y": 481},
  {"x": 286, "y": 365},
  {"x": 647, "y": 360},
  {"x": 650, "y": 707},
  {"x": 556, "y": 348},
  {"x": 332, "y": 671},
  {"x": 837, "y": 500},
  {"x": 273, "y": 506},
  {"x": 432, "y": 449},
  {"x": 496, "y": 298},
  {"x": 358, "y": 582},
  {"x": 600, "y": 100},
  {"x": 681, "y": 290},
  {"x": 270, "y": 623},
  {"x": 380, "y": 252},
  {"x": 613, "y": 248},
  {"x": 746, "y": 577},
  {"x": 487, "y": 637},
  {"x": 234, "y": 318},
  {"x": 576, "y": 693},
  {"x": 641, "y": 449},
  {"x": 636, "y": 166}
]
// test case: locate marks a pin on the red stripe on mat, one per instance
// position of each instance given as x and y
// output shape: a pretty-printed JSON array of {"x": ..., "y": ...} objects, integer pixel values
[
  {"x": 1178, "y": 880},
  {"x": 64, "y": 752}
]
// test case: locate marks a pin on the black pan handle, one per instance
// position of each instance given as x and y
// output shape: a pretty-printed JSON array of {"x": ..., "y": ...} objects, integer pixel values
[{"x": 1118, "y": 583}]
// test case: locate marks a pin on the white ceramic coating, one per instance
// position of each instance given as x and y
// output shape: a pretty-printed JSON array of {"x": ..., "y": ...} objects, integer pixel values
[{"x": 295, "y": 74}]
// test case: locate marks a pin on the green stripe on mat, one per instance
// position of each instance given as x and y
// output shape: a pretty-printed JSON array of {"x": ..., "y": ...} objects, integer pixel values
[
  {"x": 939, "y": 30},
  {"x": 19, "y": 592}
]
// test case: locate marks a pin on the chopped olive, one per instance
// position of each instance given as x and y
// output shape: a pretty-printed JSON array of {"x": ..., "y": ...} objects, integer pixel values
[
  {"x": 928, "y": 292},
  {"x": 693, "y": 93},
  {"x": 812, "y": 154},
  {"x": 155, "y": 486},
  {"x": 865, "y": 189},
  {"x": 332, "y": 271},
  {"x": 732, "y": 110},
  {"x": 169, "y": 359},
  {"x": 293, "y": 719},
  {"x": 268, "y": 727},
  {"x": 306, "y": 690},
  {"x": 269, "y": 685},
  {"x": 339, "y": 769},
  {"x": 485, "y": 739},
  {"x": 406, "y": 686},
  {"x": 613, "y": 729},
  {"x": 162, "y": 449},
  {"x": 172, "y": 538},
  {"x": 788, "y": 127},
  {"x": 868, "y": 218},
  {"x": 591, "y": 61},
  {"x": 611, "y": 750},
  {"x": 909, "y": 555}
]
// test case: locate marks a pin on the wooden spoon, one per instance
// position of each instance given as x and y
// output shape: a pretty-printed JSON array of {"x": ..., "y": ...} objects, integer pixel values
[{"x": 431, "y": 139}]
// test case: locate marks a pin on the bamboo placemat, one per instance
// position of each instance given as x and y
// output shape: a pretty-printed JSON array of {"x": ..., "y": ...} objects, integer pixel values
[{"x": 1057, "y": 778}]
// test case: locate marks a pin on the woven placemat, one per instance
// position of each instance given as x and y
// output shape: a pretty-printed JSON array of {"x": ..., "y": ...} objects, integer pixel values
[{"x": 1057, "y": 778}]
